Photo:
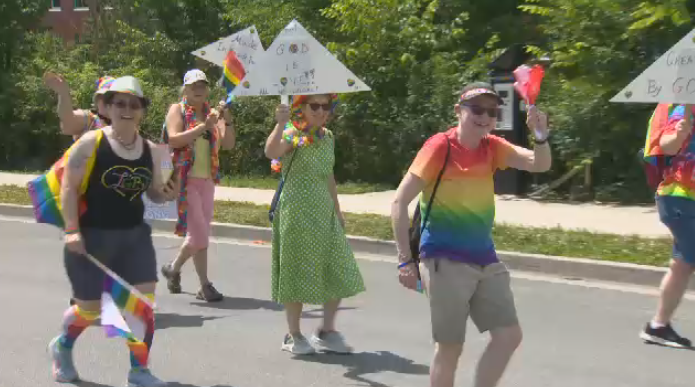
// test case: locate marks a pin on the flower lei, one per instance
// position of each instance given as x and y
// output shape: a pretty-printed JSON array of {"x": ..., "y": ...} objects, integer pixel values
[{"x": 298, "y": 135}]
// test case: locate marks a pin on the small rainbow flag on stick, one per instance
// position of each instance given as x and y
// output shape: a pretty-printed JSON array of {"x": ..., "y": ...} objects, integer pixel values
[
  {"x": 118, "y": 298},
  {"x": 233, "y": 74}
]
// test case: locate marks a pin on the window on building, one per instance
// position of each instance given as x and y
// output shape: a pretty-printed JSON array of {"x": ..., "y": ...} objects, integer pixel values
[
  {"x": 55, "y": 4},
  {"x": 81, "y": 4}
]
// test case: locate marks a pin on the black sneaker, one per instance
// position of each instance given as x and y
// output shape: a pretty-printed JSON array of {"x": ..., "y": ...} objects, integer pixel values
[
  {"x": 664, "y": 336},
  {"x": 173, "y": 279}
]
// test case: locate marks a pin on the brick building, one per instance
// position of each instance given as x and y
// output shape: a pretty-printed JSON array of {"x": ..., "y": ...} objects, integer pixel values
[{"x": 66, "y": 17}]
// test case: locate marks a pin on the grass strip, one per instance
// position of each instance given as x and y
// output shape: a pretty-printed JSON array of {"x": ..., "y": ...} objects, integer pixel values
[{"x": 551, "y": 241}]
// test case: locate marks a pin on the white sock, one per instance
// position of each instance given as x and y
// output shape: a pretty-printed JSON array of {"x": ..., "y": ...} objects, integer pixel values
[{"x": 656, "y": 325}]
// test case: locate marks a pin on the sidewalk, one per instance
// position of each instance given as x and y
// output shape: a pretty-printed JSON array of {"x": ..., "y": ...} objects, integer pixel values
[{"x": 624, "y": 220}]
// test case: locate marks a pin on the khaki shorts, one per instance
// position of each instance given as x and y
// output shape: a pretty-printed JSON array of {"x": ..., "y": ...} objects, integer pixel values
[{"x": 457, "y": 290}]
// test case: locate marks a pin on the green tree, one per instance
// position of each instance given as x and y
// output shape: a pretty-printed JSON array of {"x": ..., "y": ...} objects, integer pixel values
[{"x": 597, "y": 48}]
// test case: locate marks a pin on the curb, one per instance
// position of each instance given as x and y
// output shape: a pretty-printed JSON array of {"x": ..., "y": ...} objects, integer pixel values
[{"x": 567, "y": 267}]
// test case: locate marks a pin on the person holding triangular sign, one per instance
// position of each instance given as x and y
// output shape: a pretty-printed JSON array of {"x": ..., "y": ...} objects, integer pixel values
[
  {"x": 669, "y": 162},
  {"x": 312, "y": 260},
  {"x": 196, "y": 132}
]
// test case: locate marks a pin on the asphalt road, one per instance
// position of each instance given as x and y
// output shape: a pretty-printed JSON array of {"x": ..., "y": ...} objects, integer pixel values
[{"x": 577, "y": 334}]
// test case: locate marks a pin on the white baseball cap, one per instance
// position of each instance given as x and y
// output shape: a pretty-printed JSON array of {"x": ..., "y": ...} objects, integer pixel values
[{"x": 193, "y": 76}]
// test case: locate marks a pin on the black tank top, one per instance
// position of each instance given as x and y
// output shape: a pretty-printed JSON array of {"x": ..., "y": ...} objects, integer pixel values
[{"x": 115, "y": 188}]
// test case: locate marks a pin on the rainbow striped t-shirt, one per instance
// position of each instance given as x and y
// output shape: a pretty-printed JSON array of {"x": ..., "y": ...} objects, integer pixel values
[{"x": 460, "y": 223}]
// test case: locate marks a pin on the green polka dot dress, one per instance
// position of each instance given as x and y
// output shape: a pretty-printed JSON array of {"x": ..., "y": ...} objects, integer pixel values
[{"x": 312, "y": 261}]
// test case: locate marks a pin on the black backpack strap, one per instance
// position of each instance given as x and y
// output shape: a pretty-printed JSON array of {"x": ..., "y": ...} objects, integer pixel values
[{"x": 436, "y": 184}]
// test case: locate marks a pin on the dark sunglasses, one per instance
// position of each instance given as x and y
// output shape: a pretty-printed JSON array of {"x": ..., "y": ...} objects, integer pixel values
[
  {"x": 316, "y": 106},
  {"x": 479, "y": 111},
  {"x": 134, "y": 105}
]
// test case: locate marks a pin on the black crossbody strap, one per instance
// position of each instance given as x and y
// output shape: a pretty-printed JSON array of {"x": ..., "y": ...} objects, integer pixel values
[{"x": 436, "y": 185}]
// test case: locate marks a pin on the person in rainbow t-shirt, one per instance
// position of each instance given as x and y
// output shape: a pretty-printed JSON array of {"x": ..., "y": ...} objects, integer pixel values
[
  {"x": 670, "y": 136},
  {"x": 462, "y": 274}
]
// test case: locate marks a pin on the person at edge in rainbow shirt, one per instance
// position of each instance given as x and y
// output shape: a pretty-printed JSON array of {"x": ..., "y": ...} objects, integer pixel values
[
  {"x": 462, "y": 274},
  {"x": 75, "y": 123},
  {"x": 675, "y": 202}
]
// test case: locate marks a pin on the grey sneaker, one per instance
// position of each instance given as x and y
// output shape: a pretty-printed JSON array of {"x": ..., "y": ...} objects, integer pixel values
[
  {"x": 173, "y": 279},
  {"x": 330, "y": 342},
  {"x": 63, "y": 366},
  {"x": 297, "y": 345},
  {"x": 142, "y": 377},
  {"x": 209, "y": 293}
]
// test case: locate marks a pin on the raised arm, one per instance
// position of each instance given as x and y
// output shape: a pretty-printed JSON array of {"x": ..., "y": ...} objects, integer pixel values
[
  {"x": 539, "y": 159},
  {"x": 225, "y": 127},
  {"x": 72, "y": 122},
  {"x": 275, "y": 146},
  {"x": 178, "y": 137},
  {"x": 672, "y": 142}
]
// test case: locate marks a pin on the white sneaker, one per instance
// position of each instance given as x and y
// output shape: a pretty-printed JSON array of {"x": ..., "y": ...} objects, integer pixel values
[
  {"x": 330, "y": 342},
  {"x": 297, "y": 345}
]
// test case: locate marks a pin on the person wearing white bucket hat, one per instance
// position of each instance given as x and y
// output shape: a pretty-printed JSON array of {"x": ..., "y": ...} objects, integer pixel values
[
  {"x": 196, "y": 133},
  {"x": 112, "y": 228}
]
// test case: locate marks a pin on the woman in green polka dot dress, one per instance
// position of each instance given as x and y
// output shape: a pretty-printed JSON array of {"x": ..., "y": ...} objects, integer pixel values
[{"x": 312, "y": 261}]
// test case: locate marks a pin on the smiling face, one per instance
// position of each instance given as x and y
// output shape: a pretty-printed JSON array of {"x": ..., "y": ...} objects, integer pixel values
[
  {"x": 478, "y": 116},
  {"x": 125, "y": 111},
  {"x": 317, "y": 109},
  {"x": 197, "y": 93}
]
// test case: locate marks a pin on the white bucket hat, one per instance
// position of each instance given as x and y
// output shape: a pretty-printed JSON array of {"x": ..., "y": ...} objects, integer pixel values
[
  {"x": 128, "y": 85},
  {"x": 193, "y": 76}
]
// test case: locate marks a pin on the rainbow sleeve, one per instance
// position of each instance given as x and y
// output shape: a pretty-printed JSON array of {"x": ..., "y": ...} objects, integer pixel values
[
  {"x": 45, "y": 190},
  {"x": 430, "y": 159}
]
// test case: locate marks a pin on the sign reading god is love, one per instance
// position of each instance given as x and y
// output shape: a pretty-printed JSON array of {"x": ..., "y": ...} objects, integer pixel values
[
  {"x": 671, "y": 79},
  {"x": 297, "y": 64},
  {"x": 245, "y": 43}
]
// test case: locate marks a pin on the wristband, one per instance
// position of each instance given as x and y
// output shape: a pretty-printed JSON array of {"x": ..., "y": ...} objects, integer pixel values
[
  {"x": 540, "y": 142},
  {"x": 404, "y": 264},
  {"x": 72, "y": 231}
]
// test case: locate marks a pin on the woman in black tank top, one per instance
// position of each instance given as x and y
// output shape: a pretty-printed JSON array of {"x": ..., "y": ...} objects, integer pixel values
[{"x": 106, "y": 222}]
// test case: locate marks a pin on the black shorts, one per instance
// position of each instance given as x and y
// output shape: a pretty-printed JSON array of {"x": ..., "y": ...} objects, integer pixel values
[{"x": 129, "y": 253}]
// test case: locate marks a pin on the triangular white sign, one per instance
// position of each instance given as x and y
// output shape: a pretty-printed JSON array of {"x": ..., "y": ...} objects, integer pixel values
[
  {"x": 296, "y": 63},
  {"x": 246, "y": 44},
  {"x": 670, "y": 79}
]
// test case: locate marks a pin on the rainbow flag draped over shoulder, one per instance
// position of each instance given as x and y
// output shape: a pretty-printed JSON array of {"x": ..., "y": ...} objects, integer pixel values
[
  {"x": 233, "y": 74},
  {"x": 115, "y": 296},
  {"x": 45, "y": 189}
]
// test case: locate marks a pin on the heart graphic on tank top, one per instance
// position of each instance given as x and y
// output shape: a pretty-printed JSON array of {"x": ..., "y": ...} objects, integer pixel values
[{"x": 126, "y": 181}]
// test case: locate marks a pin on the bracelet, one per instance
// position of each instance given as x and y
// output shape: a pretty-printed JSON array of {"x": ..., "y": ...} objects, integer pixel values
[
  {"x": 72, "y": 231},
  {"x": 541, "y": 142},
  {"x": 406, "y": 263}
]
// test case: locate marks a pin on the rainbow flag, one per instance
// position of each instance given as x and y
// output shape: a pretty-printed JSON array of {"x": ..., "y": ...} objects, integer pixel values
[
  {"x": 45, "y": 189},
  {"x": 115, "y": 296},
  {"x": 233, "y": 74}
]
